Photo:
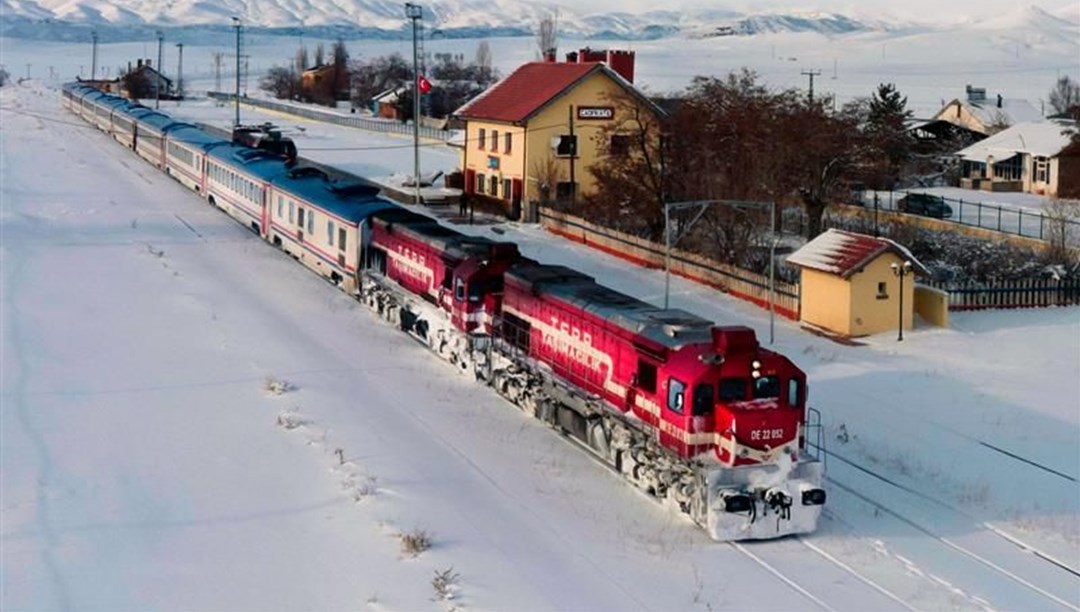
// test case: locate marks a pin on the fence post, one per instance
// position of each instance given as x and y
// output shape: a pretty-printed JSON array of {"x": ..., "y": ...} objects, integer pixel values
[
  {"x": 1020, "y": 221},
  {"x": 978, "y": 211},
  {"x": 960, "y": 219},
  {"x": 999, "y": 218}
]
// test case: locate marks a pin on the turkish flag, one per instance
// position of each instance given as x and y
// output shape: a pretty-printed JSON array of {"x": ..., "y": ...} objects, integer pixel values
[{"x": 423, "y": 84}]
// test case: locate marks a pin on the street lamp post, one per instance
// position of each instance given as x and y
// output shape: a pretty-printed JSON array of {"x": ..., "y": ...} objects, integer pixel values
[
  {"x": 236, "y": 24},
  {"x": 703, "y": 204},
  {"x": 158, "y": 73},
  {"x": 901, "y": 271},
  {"x": 415, "y": 13},
  {"x": 93, "y": 56}
]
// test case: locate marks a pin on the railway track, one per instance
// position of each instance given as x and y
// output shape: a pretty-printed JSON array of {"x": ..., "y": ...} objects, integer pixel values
[{"x": 974, "y": 549}]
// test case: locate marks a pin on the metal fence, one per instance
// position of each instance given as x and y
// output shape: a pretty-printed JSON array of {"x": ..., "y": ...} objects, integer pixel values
[
  {"x": 363, "y": 123},
  {"x": 1026, "y": 293},
  {"x": 1004, "y": 219}
]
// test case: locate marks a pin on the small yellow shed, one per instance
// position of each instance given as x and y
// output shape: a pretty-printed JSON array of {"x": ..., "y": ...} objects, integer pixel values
[{"x": 856, "y": 285}]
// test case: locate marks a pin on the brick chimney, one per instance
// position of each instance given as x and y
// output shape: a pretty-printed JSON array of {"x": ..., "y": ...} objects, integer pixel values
[{"x": 622, "y": 62}]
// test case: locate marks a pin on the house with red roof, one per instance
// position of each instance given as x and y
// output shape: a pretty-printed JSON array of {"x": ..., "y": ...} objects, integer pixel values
[
  {"x": 533, "y": 135},
  {"x": 851, "y": 285}
]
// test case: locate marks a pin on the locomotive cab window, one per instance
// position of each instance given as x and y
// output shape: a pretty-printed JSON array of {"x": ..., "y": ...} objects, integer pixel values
[
  {"x": 676, "y": 395},
  {"x": 459, "y": 290},
  {"x": 732, "y": 389},
  {"x": 794, "y": 392},
  {"x": 703, "y": 400},
  {"x": 766, "y": 387},
  {"x": 476, "y": 291},
  {"x": 646, "y": 376}
]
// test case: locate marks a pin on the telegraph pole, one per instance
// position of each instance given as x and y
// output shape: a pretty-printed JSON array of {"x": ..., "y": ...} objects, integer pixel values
[
  {"x": 93, "y": 55},
  {"x": 158, "y": 75},
  {"x": 811, "y": 74},
  {"x": 180, "y": 72},
  {"x": 236, "y": 24},
  {"x": 415, "y": 13}
]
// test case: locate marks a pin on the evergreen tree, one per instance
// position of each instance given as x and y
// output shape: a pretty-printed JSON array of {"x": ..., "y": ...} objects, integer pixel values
[{"x": 886, "y": 130}]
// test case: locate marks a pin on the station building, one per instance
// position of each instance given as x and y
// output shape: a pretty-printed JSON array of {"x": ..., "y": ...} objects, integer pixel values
[{"x": 533, "y": 135}]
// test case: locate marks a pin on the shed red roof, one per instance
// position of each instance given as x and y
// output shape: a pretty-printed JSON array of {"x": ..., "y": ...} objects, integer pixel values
[
  {"x": 845, "y": 253},
  {"x": 526, "y": 90}
]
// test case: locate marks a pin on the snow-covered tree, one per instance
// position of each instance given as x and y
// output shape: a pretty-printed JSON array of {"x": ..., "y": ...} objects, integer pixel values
[{"x": 1065, "y": 95}]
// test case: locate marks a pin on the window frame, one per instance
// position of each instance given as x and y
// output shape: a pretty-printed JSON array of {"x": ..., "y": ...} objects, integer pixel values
[
  {"x": 508, "y": 142},
  {"x": 676, "y": 395},
  {"x": 481, "y": 138}
]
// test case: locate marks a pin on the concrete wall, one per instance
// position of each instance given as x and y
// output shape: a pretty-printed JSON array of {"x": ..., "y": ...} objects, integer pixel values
[{"x": 932, "y": 305}]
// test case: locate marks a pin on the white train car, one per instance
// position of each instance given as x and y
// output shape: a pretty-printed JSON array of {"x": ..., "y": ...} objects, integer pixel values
[
  {"x": 322, "y": 223},
  {"x": 150, "y": 130},
  {"x": 186, "y": 148},
  {"x": 238, "y": 181}
]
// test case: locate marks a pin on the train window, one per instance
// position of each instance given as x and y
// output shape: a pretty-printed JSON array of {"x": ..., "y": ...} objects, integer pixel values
[
  {"x": 766, "y": 387},
  {"x": 676, "y": 392},
  {"x": 732, "y": 389},
  {"x": 703, "y": 400},
  {"x": 794, "y": 390},
  {"x": 646, "y": 376},
  {"x": 330, "y": 232},
  {"x": 280, "y": 207},
  {"x": 341, "y": 239},
  {"x": 292, "y": 212},
  {"x": 311, "y": 222},
  {"x": 300, "y": 217}
]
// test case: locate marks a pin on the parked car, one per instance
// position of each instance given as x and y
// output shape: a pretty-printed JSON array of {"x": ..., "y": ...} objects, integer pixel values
[{"x": 924, "y": 204}]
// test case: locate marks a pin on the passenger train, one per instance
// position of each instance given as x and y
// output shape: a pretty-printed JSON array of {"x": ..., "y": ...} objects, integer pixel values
[{"x": 700, "y": 416}]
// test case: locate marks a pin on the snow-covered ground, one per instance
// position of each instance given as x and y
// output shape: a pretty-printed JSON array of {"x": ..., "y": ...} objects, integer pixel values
[{"x": 145, "y": 464}]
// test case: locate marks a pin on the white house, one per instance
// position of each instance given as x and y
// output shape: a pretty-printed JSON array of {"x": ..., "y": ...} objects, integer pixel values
[{"x": 1029, "y": 157}]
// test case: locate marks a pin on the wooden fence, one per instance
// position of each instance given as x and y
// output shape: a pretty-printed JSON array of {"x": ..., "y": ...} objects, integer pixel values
[
  {"x": 735, "y": 281},
  {"x": 1029, "y": 293}
]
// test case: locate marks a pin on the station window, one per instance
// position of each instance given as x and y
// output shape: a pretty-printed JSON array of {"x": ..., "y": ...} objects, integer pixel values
[
  {"x": 882, "y": 291},
  {"x": 494, "y": 185},
  {"x": 507, "y": 189},
  {"x": 567, "y": 146},
  {"x": 508, "y": 143},
  {"x": 494, "y": 140},
  {"x": 619, "y": 146},
  {"x": 564, "y": 189},
  {"x": 479, "y": 183},
  {"x": 481, "y": 139}
]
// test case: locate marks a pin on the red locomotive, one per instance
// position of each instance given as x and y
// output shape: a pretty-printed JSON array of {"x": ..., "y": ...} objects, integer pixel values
[{"x": 698, "y": 415}]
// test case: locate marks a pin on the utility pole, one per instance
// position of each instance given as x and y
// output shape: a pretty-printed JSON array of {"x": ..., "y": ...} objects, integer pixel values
[
  {"x": 93, "y": 56},
  {"x": 811, "y": 74},
  {"x": 236, "y": 24},
  {"x": 218, "y": 56},
  {"x": 415, "y": 13},
  {"x": 180, "y": 72},
  {"x": 158, "y": 71}
]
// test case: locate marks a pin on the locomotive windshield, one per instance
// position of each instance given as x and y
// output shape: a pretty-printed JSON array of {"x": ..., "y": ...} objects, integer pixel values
[{"x": 766, "y": 387}]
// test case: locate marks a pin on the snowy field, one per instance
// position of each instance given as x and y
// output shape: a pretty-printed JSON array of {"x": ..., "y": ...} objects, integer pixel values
[{"x": 145, "y": 465}]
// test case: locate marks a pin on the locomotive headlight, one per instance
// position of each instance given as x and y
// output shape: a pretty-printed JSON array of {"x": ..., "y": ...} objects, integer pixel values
[
  {"x": 756, "y": 365},
  {"x": 755, "y": 374}
]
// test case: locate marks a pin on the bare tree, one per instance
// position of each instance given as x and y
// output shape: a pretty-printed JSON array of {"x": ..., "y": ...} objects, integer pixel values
[
  {"x": 547, "y": 35},
  {"x": 341, "y": 70},
  {"x": 630, "y": 178},
  {"x": 301, "y": 60},
  {"x": 280, "y": 82},
  {"x": 320, "y": 55},
  {"x": 1063, "y": 223},
  {"x": 546, "y": 171},
  {"x": 483, "y": 64},
  {"x": 1065, "y": 95}
]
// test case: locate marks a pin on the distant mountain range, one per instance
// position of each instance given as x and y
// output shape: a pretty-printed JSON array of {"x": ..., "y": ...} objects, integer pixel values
[{"x": 117, "y": 20}]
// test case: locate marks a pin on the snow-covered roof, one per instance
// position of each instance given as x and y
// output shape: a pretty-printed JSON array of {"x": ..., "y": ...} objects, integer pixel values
[
  {"x": 1044, "y": 139},
  {"x": 845, "y": 253},
  {"x": 1013, "y": 110}
]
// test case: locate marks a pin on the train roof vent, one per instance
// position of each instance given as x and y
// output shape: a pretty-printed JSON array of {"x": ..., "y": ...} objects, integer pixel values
[
  {"x": 305, "y": 172},
  {"x": 608, "y": 297},
  {"x": 354, "y": 189}
]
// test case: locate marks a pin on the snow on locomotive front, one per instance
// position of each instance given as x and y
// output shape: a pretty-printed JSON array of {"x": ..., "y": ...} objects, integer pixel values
[{"x": 699, "y": 415}]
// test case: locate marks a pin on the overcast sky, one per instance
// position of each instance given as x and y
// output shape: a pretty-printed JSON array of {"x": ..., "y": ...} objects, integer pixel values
[{"x": 921, "y": 10}]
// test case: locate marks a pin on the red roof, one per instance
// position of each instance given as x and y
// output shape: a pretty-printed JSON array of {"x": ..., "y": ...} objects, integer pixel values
[
  {"x": 526, "y": 90},
  {"x": 845, "y": 253}
]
